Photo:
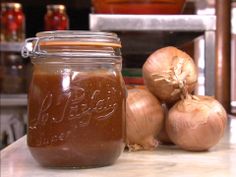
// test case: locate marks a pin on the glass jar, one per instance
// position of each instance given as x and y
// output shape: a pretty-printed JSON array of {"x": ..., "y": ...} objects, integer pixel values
[
  {"x": 76, "y": 99},
  {"x": 12, "y": 21},
  {"x": 56, "y": 18},
  {"x": 12, "y": 73}
]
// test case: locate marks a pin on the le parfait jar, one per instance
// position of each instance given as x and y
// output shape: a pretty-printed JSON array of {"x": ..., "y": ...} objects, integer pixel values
[{"x": 77, "y": 99}]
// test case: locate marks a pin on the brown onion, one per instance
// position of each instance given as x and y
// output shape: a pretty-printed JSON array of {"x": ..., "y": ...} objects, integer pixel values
[
  {"x": 196, "y": 123},
  {"x": 163, "y": 137},
  {"x": 144, "y": 116},
  {"x": 166, "y": 71}
]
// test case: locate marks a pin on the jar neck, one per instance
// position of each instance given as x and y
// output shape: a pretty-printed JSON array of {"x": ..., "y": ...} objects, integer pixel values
[
  {"x": 88, "y": 61},
  {"x": 81, "y": 52},
  {"x": 73, "y": 44}
]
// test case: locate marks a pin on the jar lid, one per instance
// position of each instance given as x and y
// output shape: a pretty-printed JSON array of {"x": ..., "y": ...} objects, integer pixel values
[
  {"x": 52, "y": 7},
  {"x": 11, "y": 5},
  {"x": 66, "y": 40}
]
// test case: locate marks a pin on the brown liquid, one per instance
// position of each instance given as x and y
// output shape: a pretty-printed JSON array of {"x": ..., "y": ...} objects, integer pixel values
[{"x": 76, "y": 119}]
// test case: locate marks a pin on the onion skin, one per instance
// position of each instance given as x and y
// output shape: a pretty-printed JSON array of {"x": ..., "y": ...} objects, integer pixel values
[
  {"x": 196, "y": 123},
  {"x": 144, "y": 120},
  {"x": 163, "y": 136},
  {"x": 165, "y": 70}
]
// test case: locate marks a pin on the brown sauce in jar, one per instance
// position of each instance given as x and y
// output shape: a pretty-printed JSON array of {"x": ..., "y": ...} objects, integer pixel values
[{"x": 76, "y": 119}]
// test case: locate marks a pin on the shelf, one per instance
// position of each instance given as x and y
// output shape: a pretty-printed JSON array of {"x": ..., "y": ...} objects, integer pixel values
[
  {"x": 10, "y": 46},
  {"x": 192, "y": 25},
  {"x": 13, "y": 99},
  {"x": 233, "y": 106},
  {"x": 104, "y": 22}
]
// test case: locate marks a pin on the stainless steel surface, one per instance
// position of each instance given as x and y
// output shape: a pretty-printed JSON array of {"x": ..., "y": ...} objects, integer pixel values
[
  {"x": 205, "y": 24},
  {"x": 233, "y": 73},
  {"x": 233, "y": 19},
  {"x": 209, "y": 62},
  {"x": 233, "y": 59},
  {"x": 101, "y": 22},
  {"x": 233, "y": 107},
  {"x": 13, "y": 100},
  {"x": 209, "y": 9}
]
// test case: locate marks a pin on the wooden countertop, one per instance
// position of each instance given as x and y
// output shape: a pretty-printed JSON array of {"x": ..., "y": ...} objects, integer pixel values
[{"x": 166, "y": 161}]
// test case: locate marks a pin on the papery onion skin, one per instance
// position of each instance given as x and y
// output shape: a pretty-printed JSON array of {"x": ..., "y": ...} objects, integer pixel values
[
  {"x": 144, "y": 118},
  {"x": 196, "y": 123},
  {"x": 163, "y": 137},
  {"x": 165, "y": 70}
]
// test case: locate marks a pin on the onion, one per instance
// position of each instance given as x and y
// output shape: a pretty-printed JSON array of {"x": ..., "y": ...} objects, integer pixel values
[
  {"x": 144, "y": 116},
  {"x": 163, "y": 136},
  {"x": 196, "y": 123},
  {"x": 166, "y": 71}
]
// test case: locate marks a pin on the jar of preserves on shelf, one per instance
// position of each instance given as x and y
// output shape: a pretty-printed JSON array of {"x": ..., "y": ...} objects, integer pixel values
[
  {"x": 56, "y": 18},
  {"x": 12, "y": 21},
  {"x": 76, "y": 99},
  {"x": 12, "y": 73}
]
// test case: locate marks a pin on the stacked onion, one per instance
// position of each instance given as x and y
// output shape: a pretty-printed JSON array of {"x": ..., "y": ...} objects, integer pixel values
[
  {"x": 145, "y": 119},
  {"x": 193, "y": 123}
]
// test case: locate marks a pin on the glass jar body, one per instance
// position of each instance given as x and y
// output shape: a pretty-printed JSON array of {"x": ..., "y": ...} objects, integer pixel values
[
  {"x": 76, "y": 114},
  {"x": 77, "y": 99}
]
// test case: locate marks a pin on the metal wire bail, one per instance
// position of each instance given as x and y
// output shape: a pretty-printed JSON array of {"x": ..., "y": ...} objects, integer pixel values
[{"x": 29, "y": 48}]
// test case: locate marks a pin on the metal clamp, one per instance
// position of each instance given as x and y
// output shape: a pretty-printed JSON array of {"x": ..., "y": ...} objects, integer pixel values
[{"x": 30, "y": 46}]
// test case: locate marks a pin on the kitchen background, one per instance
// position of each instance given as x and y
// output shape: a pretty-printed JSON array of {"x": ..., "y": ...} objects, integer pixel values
[{"x": 15, "y": 72}]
